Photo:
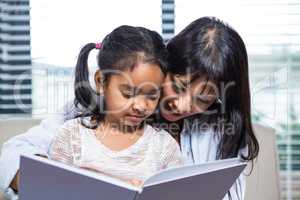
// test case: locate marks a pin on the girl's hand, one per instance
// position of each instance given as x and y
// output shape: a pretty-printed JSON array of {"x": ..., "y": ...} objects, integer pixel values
[
  {"x": 16, "y": 180},
  {"x": 135, "y": 182}
]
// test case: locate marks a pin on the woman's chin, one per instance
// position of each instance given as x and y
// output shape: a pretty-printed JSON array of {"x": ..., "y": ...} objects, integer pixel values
[
  {"x": 171, "y": 117},
  {"x": 176, "y": 117}
]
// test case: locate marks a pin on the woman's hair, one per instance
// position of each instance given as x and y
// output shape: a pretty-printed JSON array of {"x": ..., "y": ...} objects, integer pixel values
[
  {"x": 120, "y": 50},
  {"x": 215, "y": 50}
]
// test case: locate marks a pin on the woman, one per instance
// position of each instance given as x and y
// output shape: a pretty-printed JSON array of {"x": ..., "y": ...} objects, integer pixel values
[{"x": 209, "y": 95}]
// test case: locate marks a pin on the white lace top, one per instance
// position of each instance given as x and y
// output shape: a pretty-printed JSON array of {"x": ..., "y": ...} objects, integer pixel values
[
  {"x": 77, "y": 145},
  {"x": 199, "y": 146}
]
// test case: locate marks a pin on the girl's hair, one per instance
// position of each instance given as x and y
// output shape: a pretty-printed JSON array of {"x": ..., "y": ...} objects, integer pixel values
[
  {"x": 213, "y": 49},
  {"x": 122, "y": 49}
]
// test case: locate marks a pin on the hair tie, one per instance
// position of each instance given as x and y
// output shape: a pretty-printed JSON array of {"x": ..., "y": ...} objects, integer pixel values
[{"x": 98, "y": 46}]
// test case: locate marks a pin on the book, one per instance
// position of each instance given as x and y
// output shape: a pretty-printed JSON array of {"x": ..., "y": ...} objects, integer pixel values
[{"x": 45, "y": 179}]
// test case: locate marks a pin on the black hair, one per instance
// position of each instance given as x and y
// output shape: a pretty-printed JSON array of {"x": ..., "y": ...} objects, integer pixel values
[
  {"x": 212, "y": 48},
  {"x": 120, "y": 50}
]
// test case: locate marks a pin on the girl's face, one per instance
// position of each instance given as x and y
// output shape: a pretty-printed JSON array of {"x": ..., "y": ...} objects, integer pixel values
[
  {"x": 186, "y": 95},
  {"x": 132, "y": 95}
]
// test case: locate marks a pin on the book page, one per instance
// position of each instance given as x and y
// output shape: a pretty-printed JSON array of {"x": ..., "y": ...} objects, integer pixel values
[
  {"x": 211, "y": 185},
  {"x": 191, "y": 170}
]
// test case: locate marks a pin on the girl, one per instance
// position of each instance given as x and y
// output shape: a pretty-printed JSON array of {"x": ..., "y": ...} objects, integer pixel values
[
  {"x": 110, "y": 136},
  {"x": 207, "y": 93}
]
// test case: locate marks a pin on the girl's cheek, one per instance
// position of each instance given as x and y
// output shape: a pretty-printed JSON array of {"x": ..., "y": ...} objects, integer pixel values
[
  {"x": 152, "y": 106},
  {"x": 123, "y": 104},
  {"x": 117, "y": 104}
]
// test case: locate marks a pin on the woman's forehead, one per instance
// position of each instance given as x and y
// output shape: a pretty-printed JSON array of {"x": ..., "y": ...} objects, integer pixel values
[{"x": 194, "y": 82}]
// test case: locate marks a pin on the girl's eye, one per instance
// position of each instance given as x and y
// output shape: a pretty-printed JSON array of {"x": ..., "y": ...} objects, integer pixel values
[
  {"x": 128, "y": 94},
  {"x": 153, "y": 97}
]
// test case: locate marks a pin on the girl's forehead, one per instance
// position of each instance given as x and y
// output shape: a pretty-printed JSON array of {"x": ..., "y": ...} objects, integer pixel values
[{"x": 141, "y": 74}]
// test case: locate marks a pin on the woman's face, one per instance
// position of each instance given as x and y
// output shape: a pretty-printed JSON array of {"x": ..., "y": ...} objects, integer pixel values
[{"x": 186, "y": 95}]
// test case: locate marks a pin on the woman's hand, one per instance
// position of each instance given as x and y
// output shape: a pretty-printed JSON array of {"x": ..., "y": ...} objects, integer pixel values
[{"x": 135, "y": 182}]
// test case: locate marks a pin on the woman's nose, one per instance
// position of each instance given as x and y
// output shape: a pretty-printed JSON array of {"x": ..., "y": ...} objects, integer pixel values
[
  {"x": 171, "y": 105},
  {"x": 183, "y": 104}
]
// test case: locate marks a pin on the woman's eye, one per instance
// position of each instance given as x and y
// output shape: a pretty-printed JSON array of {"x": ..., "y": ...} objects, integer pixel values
[
  {"x": 203, "y": 99},
  {"x": 178, "y": 89}
]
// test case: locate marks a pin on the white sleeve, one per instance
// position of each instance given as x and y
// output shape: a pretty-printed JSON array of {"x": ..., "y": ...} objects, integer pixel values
[
  {"x": 35, "y": 141},
  {"x": 64, "y": 144},
  {"x": 171, "y": 156}
]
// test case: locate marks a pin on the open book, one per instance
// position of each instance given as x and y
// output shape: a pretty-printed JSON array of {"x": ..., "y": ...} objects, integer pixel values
[{"x": 50, "y": 180}]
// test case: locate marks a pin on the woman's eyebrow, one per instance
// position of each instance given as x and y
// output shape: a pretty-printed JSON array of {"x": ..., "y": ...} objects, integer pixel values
[
  {"x": 192, "y": 79},
  {"x": 205, "y": 86}
]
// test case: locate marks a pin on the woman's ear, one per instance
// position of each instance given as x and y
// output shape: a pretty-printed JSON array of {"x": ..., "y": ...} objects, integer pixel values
[{"x": 99, "y": 80}]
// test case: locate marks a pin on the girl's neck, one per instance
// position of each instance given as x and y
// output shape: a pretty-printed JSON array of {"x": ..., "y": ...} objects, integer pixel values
[{"x": 116, "y": 139}]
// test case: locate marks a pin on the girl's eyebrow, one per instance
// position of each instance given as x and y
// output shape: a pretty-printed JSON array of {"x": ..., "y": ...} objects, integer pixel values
[
  {"x": 156, "y": 89},
  {"x": 129, "y": 87},
  {"x": 153, "y": 91},
  {"x": 126, "y": 87}
]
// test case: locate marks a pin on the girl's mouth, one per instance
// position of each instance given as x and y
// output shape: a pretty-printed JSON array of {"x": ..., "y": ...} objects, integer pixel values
[{"x": 136, "y": 119}]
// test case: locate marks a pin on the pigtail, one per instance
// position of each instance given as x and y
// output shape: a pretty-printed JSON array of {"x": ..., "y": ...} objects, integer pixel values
[{"x": 86, "y": 98}]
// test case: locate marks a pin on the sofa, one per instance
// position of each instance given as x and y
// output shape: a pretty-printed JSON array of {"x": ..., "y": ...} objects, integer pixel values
[{"x": 262, "y": 184}]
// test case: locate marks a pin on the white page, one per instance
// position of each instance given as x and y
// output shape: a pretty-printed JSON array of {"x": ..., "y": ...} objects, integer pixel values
[
  {"x": 211, "y": 185},
  {"x": 191, "y": 170}
]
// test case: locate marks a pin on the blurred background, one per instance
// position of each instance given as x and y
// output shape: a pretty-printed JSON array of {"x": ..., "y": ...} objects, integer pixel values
[{"x": 40, "y": 40}]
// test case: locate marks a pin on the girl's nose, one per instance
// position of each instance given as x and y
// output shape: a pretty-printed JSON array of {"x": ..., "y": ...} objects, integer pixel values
[{"x": 140, "y": 105}]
